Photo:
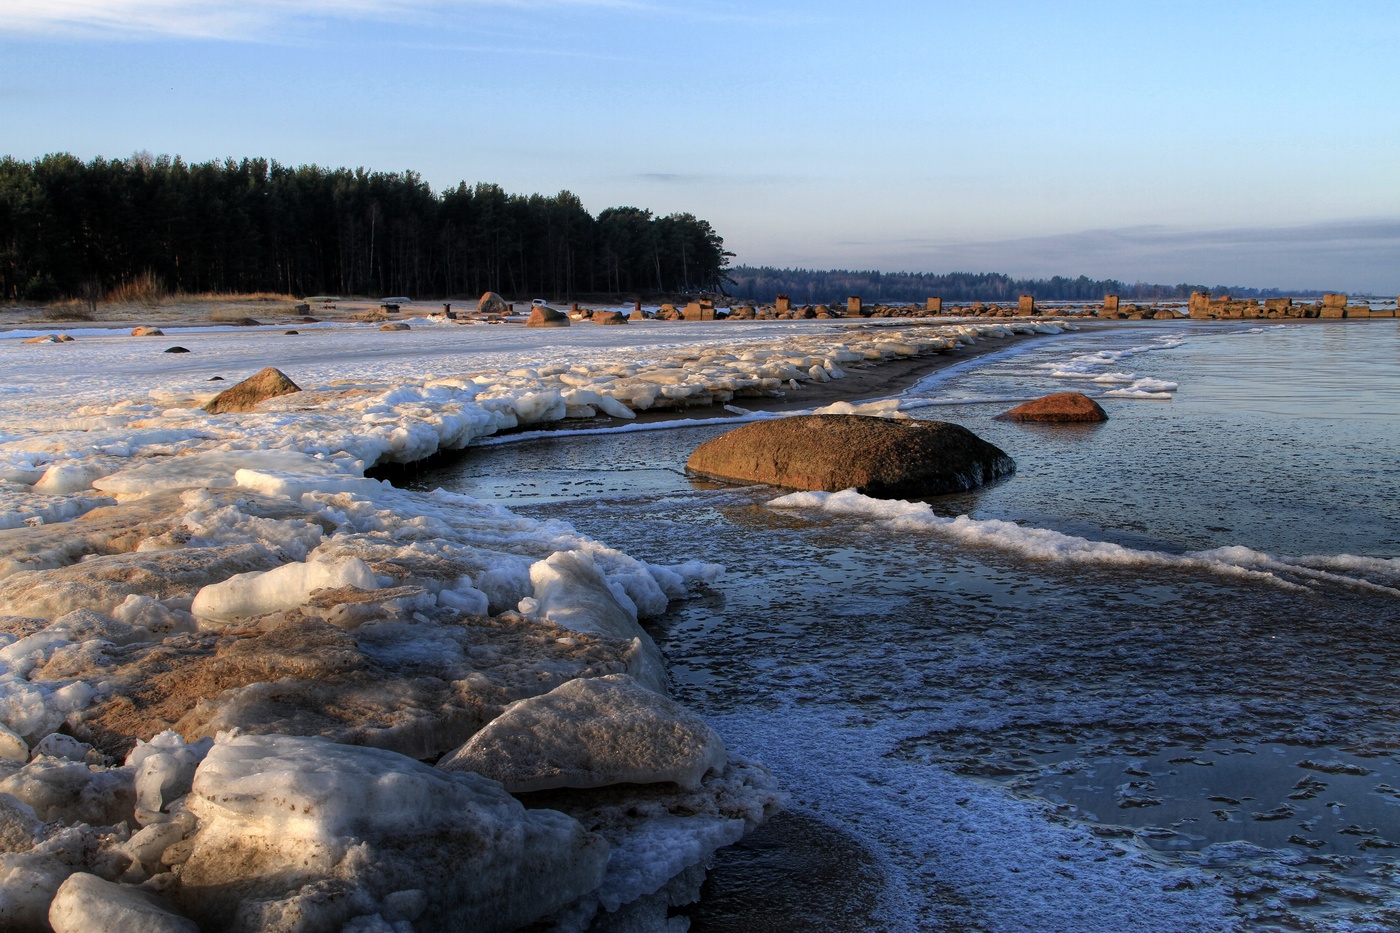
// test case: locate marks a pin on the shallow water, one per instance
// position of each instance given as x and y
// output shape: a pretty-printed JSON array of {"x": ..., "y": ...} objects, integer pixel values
[{"x": 1023, "y": 739}]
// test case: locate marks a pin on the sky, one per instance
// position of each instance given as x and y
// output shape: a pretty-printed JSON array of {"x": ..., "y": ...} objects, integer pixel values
[{"x": 1226, "y": 142}]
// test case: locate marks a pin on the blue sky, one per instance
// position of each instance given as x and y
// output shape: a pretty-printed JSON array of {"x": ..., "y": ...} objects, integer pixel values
[{"x": 1223, "y": 142}]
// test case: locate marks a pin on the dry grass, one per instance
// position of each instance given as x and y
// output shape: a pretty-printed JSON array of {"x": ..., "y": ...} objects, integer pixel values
[
  {"x": 229, "y": 315},
  {"x": 70, "y": 310},
  {"x": 234, "y": 296},
  {"x": 144, "y": 289}
]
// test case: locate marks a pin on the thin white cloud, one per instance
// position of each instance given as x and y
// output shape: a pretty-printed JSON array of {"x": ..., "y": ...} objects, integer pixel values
[{"x": 239, "y": 19}]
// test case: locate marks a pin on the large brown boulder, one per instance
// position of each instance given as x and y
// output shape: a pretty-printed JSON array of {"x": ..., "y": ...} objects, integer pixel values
[
  {"x": 245, "y": 396},
  {"x": 609, "y": 317},
  {"x": 547, "y": 317},
  {"x": 879, "y": 457},
  {"x": 492, "y": 303},
  {"x": 1060, "y": 408}
]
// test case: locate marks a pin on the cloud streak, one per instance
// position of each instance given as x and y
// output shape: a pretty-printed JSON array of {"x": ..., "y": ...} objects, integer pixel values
[
  {"x": 1356, "y": 255},
  {"x": 243, "y": 19}
]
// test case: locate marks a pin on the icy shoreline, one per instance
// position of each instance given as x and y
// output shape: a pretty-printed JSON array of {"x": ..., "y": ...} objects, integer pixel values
[{"x": 194, "y": 604}]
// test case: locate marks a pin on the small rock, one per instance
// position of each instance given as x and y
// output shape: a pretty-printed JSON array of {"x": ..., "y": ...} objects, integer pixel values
[
  {"x": 1060, "y": 408},
  {"x": 609, "y": 317},
  {"x": 215, "y": 379},
  {"x": 176, "y": 350},
  {"x": 394, "y": 325},
  {"x": 245, "y": 396},
  {"x": 145, "y": 331},
  {"x": 289, "y": 333}
]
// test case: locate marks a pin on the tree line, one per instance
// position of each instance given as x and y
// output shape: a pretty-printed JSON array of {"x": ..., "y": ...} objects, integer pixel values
[
  {"x": 70, "y": 228},
  {"x": 811, "y": 286}
]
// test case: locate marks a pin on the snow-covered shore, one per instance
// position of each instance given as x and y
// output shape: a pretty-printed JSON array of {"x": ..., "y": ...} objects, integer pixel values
[{"x": 226, "y": 653}]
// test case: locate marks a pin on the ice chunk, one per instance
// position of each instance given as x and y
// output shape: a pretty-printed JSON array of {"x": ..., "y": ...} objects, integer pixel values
[
  {"x": 286, "y": 587},
  {"x": 157, "y": 618},
  {"x": 592, "y": 732},
  {"x": 58, "y": 745},
  {"x": 12, "y": 746},
  {"x": 19, "y": 825},
  {"x": 165, "y": 769},
  {"x": 70, "y": 791},
  {"x": 210, "y": 469},
  {"x": 69, "y": 477},
  {"x": 570, "y": 592},
  {"x": 85, "y": 903},
  {"x": 295, "y": 485},
  {"x": 359, "y": 827}
]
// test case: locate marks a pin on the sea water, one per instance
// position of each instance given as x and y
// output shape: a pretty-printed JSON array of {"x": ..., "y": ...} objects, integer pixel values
[{"x": 1147, "y": 683}]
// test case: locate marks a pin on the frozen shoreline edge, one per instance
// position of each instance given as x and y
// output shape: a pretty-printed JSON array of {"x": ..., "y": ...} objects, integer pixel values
[{"x": 336, "y": 485}]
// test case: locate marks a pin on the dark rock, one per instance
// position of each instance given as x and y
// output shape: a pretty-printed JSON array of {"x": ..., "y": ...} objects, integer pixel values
[
  {"x": 1060, "y": 408},
  {"x": 246, "y": 395},
  {"x": 176, "y": 350},
  {"x": 492, "y": 303},
  {"x": 879, "y": 457}
]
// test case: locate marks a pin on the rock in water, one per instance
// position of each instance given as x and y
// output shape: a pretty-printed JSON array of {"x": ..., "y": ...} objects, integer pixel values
[
  {"x": 492, "y": 303},
  {"x": 547, "y": 317},
  {"x": 592, "y": 732},
  {"x": 1061, "y": 408},
  {"x": 306, "y": 834},
  {"x": 877, "y": 456},
  {"x": 394, "y": 325},
  {"x": 246, "y": 395},
  {"x": 145, "y": 330}
]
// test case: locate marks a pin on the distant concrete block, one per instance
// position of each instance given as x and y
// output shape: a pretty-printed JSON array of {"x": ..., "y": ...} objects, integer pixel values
[
  {"x": 853, "y": 306},
  {"x": 934, "y": 305},
  {"x": 1026, "y": 305},
  {"x": 1110, "y": 302},
  {"x": 783, "y": 303}
]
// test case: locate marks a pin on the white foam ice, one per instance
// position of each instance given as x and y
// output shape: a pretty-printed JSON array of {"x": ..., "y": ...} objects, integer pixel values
[
  {"x": 1090, "y": 366},
  {"x": 1047, "y": 544},
  {"x": 1015, "y": 868}
]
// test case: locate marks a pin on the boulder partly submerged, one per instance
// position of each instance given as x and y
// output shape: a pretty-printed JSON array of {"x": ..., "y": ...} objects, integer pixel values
[
  {"x": 879, "y": 457},
  {"x": 245, "y": 396},
  {"x": 1060, "y": 408}
]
